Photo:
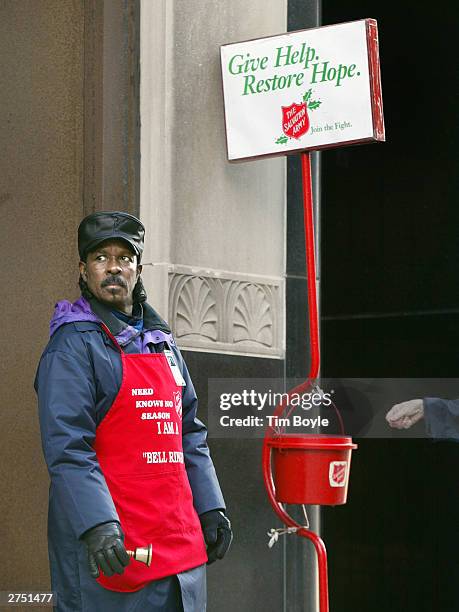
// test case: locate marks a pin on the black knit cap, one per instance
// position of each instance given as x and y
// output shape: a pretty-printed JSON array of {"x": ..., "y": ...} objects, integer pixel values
[{"x": 106, "y": 225}]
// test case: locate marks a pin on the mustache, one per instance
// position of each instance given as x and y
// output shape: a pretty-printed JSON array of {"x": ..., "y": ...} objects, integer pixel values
[{"x": 114, "y": 280}]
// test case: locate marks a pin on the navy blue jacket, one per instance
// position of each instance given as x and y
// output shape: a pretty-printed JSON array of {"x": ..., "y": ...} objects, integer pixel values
[
  {"x": 442, "y": 418},
  {"x": 78, "y": 378}
]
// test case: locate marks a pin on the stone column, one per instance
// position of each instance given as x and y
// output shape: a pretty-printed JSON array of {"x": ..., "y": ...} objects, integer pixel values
[{"x": 215, "y": 259}]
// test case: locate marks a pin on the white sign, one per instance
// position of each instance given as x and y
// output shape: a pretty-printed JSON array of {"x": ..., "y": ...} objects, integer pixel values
[{"x": 304, "y": 90}]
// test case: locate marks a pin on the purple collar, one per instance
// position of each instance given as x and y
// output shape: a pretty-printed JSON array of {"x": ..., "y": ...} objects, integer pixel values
[{"x": 66, "y": 312}]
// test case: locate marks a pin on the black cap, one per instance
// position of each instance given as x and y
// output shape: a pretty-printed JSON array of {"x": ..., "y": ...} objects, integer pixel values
[{"x": 105, "y": 225}]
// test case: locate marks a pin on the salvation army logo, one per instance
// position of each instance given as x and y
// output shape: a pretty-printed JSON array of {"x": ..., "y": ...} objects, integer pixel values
[
  {"x": 178, "y": 402},
  {"x": 295, "y": 118},
  {"x": 337, "y": 473}
]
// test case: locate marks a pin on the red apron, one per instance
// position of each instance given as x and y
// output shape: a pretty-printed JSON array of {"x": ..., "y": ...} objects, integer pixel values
[{"x": 139, "y": 449}]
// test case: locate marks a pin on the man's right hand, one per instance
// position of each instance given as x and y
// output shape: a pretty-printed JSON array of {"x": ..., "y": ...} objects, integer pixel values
[
  {"x": 406, "y": 414},
  {"x": 106, "y": 549}
]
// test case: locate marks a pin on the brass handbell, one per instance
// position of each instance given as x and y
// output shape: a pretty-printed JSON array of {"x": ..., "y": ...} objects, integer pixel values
[{"x": 142, "y": 554}]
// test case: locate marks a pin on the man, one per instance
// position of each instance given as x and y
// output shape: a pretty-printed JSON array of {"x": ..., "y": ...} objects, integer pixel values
[{"x": 127, "y": 457}]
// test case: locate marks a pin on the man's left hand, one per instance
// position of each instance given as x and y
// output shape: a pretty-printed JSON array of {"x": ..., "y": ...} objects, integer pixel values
[{"x": 216, "y": 528}]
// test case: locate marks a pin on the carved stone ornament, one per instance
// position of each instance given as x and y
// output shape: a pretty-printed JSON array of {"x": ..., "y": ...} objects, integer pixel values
[{"x": 218, "y": 311}]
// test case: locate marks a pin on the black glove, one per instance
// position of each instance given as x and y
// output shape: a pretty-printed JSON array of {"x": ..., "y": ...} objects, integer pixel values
[
  {"x": 216, "y": 528},
  {"x": 106, "y": 549}
]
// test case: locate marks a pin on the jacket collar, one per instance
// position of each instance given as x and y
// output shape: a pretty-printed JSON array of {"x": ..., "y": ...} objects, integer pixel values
[{"x": 151, "y": 319}]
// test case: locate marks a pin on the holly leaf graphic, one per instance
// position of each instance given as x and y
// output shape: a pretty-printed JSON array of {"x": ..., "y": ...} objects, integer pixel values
[
  {"x": 314, "y": 104},
  {"x": 307, "y": 95},
  {"x": 282, "y": 140}
]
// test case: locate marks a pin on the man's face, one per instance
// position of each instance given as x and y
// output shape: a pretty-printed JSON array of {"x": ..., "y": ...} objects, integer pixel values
[{"x": 111, "y": 272}]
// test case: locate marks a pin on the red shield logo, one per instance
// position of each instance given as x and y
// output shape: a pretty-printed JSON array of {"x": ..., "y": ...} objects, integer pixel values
[
  {"x": 178, "y": 402},
  {"x": 295, "y": 120},
  {"x": 337, "y": 474}
]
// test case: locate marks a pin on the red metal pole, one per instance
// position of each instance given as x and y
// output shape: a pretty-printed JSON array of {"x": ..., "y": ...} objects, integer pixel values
[
  {"x": 322, "y": 564},
  {"x": 305, "y": 533},
  {"x": 313, "y": 373},
  {"x": 310, "y": 265}
]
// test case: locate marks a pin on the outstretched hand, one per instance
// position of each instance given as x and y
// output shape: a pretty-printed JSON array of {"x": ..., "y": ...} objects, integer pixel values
[{"x": 406, "y": 414}]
